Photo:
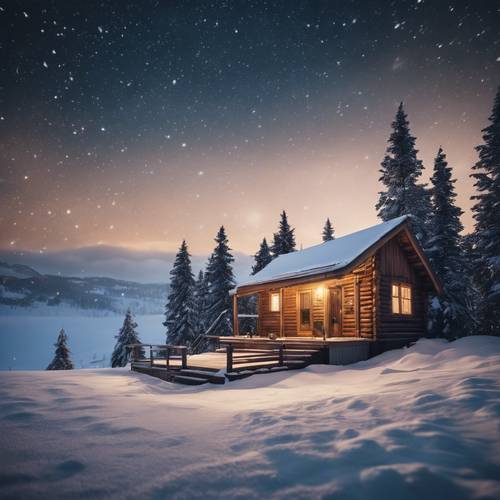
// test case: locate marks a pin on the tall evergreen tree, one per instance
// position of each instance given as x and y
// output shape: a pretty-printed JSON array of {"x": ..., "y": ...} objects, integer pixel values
[
  {"x": 62, "y": 358},
  {"x": 400, "y": 171},
  {"x": 450, "y": 314},
  {"x": 180, "y": 320},
  {"x": 487, "y": 224},
  {"x": 220, "y": 282},
  {"x": 126, "y": 336},
  {"x": 284, "y": 239},
  {"x": 201, "y": 301},
  {"x": 328, "y": 232},
  {"x": 262, "y": 257}
]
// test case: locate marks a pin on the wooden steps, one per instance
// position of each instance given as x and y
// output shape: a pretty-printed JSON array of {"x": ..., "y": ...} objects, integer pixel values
[{"x": 187, "y": 376}]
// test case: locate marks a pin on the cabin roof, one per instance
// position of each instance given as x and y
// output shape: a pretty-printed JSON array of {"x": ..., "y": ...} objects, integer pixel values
[{"x": 331, "y": 256}]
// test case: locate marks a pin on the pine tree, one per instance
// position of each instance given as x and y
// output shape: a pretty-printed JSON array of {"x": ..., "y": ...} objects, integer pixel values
[
  {"x": 487, "y": 225},
  {"x": 284, "y": 239},
  {"x": 62, "y": 359},
  {"x": 450, "y": 313},
  {"x": 221, "y": 281},
  {"x": 262, "y": 257},
  {"x": 400, "y": 172},
  {"x": 126, "y": 336},
  {"x": 180, "y": 319},
  {"x": 328, "y": 231},
  {"x": 201, "y": 301}
]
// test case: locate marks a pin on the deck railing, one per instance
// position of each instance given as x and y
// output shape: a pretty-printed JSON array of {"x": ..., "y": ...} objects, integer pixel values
[
  {"x": 239, "y": 353},
  {"x": 158, "y": 355}
]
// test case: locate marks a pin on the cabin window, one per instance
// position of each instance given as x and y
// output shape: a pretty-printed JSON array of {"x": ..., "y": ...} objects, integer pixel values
[
  {"x": 305, "y": 302},
  {"x": 401, "y": 299},
  {"x": 275, "y": 302}
]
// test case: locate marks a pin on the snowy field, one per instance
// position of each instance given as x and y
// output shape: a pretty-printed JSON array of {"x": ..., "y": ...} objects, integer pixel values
[
  {"x": 410, "y": 424},
  {"x": 27, "y": 340}
]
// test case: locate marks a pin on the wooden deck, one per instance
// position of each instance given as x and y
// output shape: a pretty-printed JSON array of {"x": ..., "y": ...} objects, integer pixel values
[{"x": 241, "y": 356}]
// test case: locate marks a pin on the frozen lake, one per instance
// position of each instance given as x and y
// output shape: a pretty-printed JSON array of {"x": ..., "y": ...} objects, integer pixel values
[{"x": 26, "y": 341}]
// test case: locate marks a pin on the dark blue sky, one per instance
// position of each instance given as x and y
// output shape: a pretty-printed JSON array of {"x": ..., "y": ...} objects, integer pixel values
[{"x": 137, "y": 124}]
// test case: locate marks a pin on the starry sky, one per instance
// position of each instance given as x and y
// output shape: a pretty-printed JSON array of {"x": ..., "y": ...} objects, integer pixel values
[{"x": 132, "y": 125}]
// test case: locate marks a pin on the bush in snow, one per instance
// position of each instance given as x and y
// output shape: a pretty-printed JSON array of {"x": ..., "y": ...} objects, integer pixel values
[
  {"x": 487, "y": 227},
  {"x": 400, "y": 171},
  {"x": 126, "y": 336},
  {"x": 62, "y": 359}
]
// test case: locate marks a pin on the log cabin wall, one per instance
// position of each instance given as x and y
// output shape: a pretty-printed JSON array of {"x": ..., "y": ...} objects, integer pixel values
[
  {"x": 365, "y": 276},
  {"x": 357, "y": 305},
  {"x": 268, "y": 322},
  {"x": 393, "y": 266}
]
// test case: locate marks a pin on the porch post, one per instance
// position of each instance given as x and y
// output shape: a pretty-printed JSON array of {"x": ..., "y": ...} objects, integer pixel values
[
  {"x": 356, "y": 304},
  {"x": 235, "y": 316},
  {"x": 282, "y": 330}
]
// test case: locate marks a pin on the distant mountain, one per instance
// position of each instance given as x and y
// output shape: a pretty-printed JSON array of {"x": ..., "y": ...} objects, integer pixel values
[{"x": 24, "y": 287}]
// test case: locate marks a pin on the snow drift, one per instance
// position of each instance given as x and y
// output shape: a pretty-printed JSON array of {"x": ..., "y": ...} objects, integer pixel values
[{"x": 414, "y": 423}]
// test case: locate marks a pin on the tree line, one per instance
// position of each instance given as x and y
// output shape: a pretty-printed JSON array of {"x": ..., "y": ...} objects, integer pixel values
[{"x": 468, "y": 265}]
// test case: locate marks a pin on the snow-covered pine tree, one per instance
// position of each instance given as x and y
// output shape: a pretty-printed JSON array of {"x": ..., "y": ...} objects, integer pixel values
[
  {"x": 487, "y": 225},
  {"x": 284, "y": 239},
  {"x": 180, "y": 316},
  {"x": 126, "y": 336},
  {"x": 221, "y": 281},
  {"x": 400, "y": 171},
  {"x": 328, "y": 231},
  {"x": 450, "y": 314},
  {"x": 201, "y": 302},
  {"x": 262, "y": 257},
  {"x": 62, "y": 359}
]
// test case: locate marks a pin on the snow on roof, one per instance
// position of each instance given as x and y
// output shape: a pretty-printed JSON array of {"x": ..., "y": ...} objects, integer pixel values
[{"x": 325, "y": 257}]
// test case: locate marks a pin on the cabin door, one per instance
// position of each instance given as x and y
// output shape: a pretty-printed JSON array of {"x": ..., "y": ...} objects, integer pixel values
[{"x": 335, "y": 327}]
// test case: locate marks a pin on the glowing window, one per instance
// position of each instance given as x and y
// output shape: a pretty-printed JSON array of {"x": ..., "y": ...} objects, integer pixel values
[
  {"x": 401, "y": 299},
  {"x": 275, "y": 302},
  {"x": 405, "y": 299}
]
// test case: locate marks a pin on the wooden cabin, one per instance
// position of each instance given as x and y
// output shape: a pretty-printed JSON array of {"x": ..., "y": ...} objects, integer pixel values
[
  {"x": 373, "y": 284},
  {"x": 338, "y": 302}
]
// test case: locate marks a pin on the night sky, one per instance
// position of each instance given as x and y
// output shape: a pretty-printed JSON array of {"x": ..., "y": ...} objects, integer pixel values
[{"x": 137, "y": 124}]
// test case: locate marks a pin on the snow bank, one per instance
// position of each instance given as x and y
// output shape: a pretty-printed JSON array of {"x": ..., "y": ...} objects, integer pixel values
[{"x": 410, "y": 424}]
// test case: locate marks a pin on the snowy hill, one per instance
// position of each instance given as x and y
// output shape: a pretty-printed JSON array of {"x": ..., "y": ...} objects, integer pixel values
[
  {"x": 409, "y": 424},
  {"x": 23, "y": 287},
  {"x": 17, "y": 271}
]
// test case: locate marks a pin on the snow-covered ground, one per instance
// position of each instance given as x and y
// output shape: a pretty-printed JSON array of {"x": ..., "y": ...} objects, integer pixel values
[
  {"x": 27, "y": 340},
  {"x": 410, "y": 424}
]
